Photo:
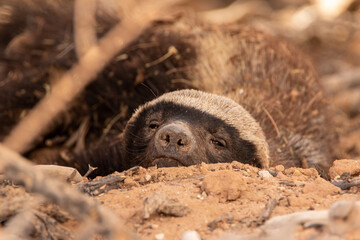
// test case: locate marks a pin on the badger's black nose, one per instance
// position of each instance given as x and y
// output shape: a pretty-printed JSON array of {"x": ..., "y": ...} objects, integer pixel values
[{"x": 174, "y": 140}]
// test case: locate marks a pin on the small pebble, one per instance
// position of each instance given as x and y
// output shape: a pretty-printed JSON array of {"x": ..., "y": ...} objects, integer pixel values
[
  {"x": 279, "y": 168},
  {"x": 297, "y": 173},
  {"x": 190, "y": 235},
  {"x": 129, "y": 182},
  {"x": 264, "y": 174},
  {"x": 159, "y": 236},
  {"x": 147, "y": 177},
  {"x": 200, "y": 197}
]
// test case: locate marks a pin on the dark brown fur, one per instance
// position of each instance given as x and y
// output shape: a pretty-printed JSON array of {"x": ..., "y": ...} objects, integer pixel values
[{"x": 273, "y": 81}]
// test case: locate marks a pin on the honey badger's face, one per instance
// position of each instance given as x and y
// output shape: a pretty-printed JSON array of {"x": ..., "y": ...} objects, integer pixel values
[
  {"x": 174, "y": 130},
  {"x": 169, "y": 134}
]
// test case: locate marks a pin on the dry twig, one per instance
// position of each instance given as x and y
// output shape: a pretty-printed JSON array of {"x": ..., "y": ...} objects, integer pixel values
[
  {"x": 347, "y": 183},
  {"x": 272, "y": 122},
  {"x": 96, "y": 187},
  {"x": 84, "y": 26},
  {"x": 266, "y": 212}
]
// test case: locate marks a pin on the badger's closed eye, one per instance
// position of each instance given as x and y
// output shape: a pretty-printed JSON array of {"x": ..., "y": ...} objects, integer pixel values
[
  {"x": 153, "y": 125},
  {"x": 218, "y": 142}
]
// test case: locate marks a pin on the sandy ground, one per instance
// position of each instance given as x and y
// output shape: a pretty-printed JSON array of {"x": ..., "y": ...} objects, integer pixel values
[
  {"x": 215, "y": 201},
  {"x": 223, "y": 198}
]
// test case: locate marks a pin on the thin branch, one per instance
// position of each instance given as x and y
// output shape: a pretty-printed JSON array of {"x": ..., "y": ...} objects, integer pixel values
[
  {"x": 84, "y": 26},
  {"x": 272, "y": 122},
  {"x": 347, "y": 183},
  {"x": 171, "y": 51}
]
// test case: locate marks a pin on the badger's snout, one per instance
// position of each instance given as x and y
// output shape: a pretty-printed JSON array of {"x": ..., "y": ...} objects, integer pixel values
[{"x": 174, "y": 140}]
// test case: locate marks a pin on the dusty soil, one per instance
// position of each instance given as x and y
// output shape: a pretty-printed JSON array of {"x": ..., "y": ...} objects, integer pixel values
[
  {"x": 218, "y": 201},
  {"x": 222, "y": 198}
]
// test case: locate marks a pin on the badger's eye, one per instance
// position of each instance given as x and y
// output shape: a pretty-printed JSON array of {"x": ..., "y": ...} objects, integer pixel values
[
  {"x": 153, "y": 125},
  {"x": 218, "y": 142}
]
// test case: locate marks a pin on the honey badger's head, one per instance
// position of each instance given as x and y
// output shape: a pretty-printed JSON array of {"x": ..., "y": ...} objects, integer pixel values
[{"x": 188, "y": 127}]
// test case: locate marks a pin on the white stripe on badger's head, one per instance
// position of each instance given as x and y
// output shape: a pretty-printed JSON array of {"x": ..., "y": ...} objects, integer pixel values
[{"x": 223, "y": 108}]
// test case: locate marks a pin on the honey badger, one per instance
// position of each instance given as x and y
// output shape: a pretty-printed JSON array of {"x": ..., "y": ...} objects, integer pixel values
[
  {"x": 257, "y": 99},
  {"x": 187, "y": 127}
]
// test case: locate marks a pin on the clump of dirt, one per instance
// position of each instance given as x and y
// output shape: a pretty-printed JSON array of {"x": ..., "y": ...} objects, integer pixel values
[
  {"x": 224, "y": 185},
  {"x": 351, "y": 167}
]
